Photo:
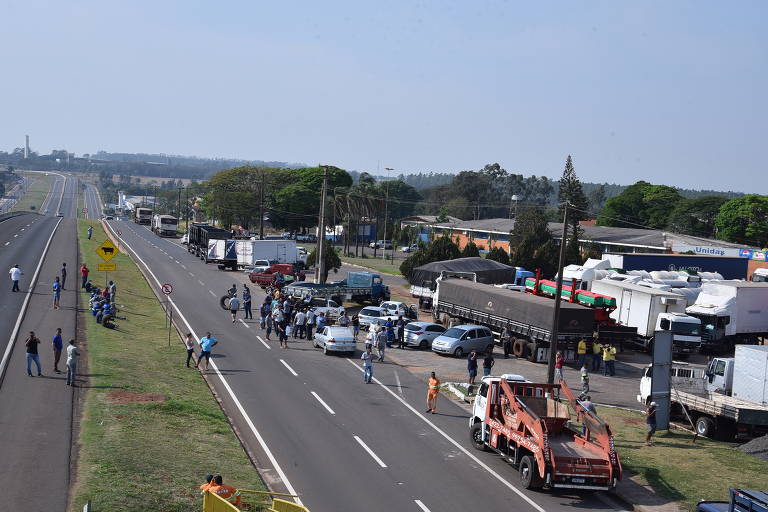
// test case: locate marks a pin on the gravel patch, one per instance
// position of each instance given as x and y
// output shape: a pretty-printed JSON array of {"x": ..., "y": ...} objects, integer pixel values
[{"x": 757, "y": 447}]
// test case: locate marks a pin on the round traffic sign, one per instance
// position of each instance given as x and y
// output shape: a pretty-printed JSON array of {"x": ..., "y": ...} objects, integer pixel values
[{"x": 167, "y": 289}]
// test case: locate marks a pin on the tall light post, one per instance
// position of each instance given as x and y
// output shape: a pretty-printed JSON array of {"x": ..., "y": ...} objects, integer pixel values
[{"x": 386, "y": 215}]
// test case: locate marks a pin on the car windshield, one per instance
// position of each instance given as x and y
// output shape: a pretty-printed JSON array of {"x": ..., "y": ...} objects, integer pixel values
[
  {"x": 413, "y": 327},
  {"x": 370, "y": 312},
  {"x": 686, "y": 328},
  {"x": 454, "y": 332}
]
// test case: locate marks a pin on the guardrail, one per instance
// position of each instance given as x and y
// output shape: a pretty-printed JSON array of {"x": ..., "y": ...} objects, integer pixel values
[{"x": 214, "y": 503}]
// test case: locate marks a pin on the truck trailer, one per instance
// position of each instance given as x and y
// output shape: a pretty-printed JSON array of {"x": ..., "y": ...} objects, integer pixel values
[
  {"x": 731, "y": 313},
  {"x": 199, "y": 237},
  {"x": 728, "y": 267},
  {"x": 142, "y": 216},
  {"x": 275, "y": 251},
  {"x": 164, "y": 225}
]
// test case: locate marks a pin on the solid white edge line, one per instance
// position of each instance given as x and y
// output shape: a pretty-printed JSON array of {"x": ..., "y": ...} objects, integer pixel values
[
  {"x": 289, "y": 368},
  {"x": 421, "y": 505},
  {"x": 370, "y": 452},
  {"x": 263, "y": 342},
  {"x": 322, "y": 402},
  {"x": 22, "y": 311},
  {"x": 456, "y": 444},
  {"x": 231, "y": 393},
  {"x": 399, "y": 387},
  {"x": 243, "y": 322}
]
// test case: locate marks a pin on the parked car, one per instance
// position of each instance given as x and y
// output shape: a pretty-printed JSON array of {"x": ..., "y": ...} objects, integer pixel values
[
  {"x": 327, "y": 306},
  {"x": 266, "y": 278},
  {"x": 185, "y": 239},
  {"x": 259, "y": 266},
  {"x": 306, "y": 238},
  {"x": 335, "y": 338},
  {"x": 409, "y": 248},
  {"x": 288, "y": 236},
  {"x": 460, "y": 340},
  {"x": 378, "y": 244},
  {"x": 370, "y": 315},
  {"x": 421, "y": 334},
  {"x": 395, "y": 308}
]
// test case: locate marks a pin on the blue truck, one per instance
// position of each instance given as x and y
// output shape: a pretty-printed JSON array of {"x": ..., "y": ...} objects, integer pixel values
[
  {"x": 358, "y": 287},
  {"x": 742, "y": 500}
]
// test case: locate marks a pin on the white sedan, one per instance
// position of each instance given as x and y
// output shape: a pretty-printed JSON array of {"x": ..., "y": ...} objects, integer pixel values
[{"x": 335, "y": 339}]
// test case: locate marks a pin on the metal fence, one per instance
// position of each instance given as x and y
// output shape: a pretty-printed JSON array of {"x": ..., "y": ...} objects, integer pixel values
[{"x": 214, "y": 503}]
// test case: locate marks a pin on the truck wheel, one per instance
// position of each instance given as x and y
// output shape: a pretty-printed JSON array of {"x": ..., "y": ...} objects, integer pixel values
[
  {"x": 476, "y": 435},
  {"x": 459, "y": 352},
  {"x": 705, "y": 426},
  {"x": 518, "y": 348},
  {"x": 532, "y": 350},
  {"x": 529, "y": 473}
]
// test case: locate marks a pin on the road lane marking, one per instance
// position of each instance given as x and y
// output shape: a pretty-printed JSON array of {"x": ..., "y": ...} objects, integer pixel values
[
  {"x": 289, "y": 368},
  {"x": 14, "y": 236},
  {"x": 184, "y": 267},
  {"x": 7, "y": 243},
  {"x": 224, "y": 382},
  {"x": 201, "y": 283},
  {"x": 421, "y": 505},
  {"x": 209, "y": 291},
  {"x": 243, "y": 322},
  {"x": 191, "y": 274},
  {"x": 370, "y": 452},
  {"x": 22, "y": 229},
  {"x": 263, "y": 342},
  {"x": 322, "y": 402},
  {"x": 399, "y": 387},
  {"x": 448, "y": 438}
]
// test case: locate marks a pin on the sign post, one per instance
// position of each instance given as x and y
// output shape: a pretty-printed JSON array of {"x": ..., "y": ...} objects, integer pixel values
[
  {"x": 167, "y": 289},
  {"x": 106, "y": 252}
]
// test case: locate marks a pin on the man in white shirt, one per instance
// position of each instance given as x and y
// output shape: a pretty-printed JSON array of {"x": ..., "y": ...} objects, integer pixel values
[
  {"x": 15, "y": 274},
  {"x": 72, "y": 353},
  {"x": 298, "y": 321}
]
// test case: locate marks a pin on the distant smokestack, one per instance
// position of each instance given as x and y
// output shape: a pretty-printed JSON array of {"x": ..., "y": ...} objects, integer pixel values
[{"x": 26, "y": 148}]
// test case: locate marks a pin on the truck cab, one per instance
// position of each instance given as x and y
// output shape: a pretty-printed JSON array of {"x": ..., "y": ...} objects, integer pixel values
[
  {"x": 686, "y": 331},
  {"x": 478, "y": 409}
]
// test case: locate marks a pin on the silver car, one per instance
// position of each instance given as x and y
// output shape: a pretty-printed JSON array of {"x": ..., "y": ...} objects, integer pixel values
[
  {"x": 370, "y": 315},
  {"x": 460, "y": 340},
  {"x": 421, "y": 334},
  {"x": 335, "y": 339}
]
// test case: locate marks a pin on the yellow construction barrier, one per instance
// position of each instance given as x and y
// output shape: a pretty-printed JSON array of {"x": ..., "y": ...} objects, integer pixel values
[{"x": 213, "y": 503}]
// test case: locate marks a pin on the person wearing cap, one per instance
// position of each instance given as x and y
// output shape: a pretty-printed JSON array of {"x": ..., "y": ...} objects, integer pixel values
[
  {"x": 650, "y": 422},
  {"x": 433, "y": 388}
]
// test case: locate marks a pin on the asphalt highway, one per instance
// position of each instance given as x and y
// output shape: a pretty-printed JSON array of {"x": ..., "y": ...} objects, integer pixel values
[
  {"x": 92, "y": 203},
  {"x": 316, "y": 428}
]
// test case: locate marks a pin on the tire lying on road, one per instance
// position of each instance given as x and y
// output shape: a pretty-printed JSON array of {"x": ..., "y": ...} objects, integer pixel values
[{"x": 224, "y": 302}]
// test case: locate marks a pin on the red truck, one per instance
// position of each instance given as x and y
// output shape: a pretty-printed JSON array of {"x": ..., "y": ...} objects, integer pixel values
[
  {"x": 523, "y": 422},
  {"x": 266, "y": 278}
]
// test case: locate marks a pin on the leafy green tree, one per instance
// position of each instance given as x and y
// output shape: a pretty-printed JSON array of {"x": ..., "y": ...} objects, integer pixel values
[
  {"x": 331, "y": 257},
  {"x": 597, "y": 198},
  {"x": 696, "y": 216},
  {"x": 570, "y": 192},
  {"x": 641, "y": 205},
  {"x": 441, "y": 248},
  {"x": 534, "y": 247},
  {"x": 744, "y": 220},
  {"x": 470, "y": 250},
  {"x": 498, "y": 254}
]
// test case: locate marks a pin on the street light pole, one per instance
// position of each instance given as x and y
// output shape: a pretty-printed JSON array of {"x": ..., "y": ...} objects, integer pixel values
[
  {"x": 386, "y": 215},
  {"x": 558, "y": 293},
  {"x": 320, "y": 263}
]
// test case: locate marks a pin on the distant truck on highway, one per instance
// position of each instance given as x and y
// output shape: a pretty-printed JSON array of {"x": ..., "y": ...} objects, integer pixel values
[
  {"x": 731, "y": 313},
  {"x": 651, "y": 310},
  {"x": 200, "y": 235},
  {"x": 164, "y": 225},
  {"x": 524, "y": 423},
  {"x": 142, "y": 216},
  {"x": 727, "y": 400}
]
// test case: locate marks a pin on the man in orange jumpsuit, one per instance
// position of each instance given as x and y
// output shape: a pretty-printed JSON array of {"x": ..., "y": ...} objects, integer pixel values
[
  {"x": 208, "y": 483},
  {"x": 433, "y": 388},
  {"x": 227, "y": 492}
]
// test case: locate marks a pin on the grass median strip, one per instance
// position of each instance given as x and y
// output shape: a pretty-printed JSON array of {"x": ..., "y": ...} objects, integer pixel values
[
  {"x": 36, "y": 193},
  {"x": 151, "y": 428},
  {"x": 679, "y": 469}
]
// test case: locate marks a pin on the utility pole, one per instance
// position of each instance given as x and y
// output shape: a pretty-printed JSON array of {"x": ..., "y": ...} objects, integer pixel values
[
  {"x": 186, "y": 208},
  {"x": 558, "y": 293},
  {"x": 386, "y": 216},
  {"x": 320, "y": 263},
  {"x": 178, "y": 206},
  {"x": 261, "y": 209}
]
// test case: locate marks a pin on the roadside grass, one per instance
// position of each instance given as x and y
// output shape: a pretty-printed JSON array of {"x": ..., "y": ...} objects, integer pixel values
[
  {"x": 151, "y": 429},
  {"x": 379, "y": 265},
  {"x": 679, "y": 469},
  {"x": 36, "y": 193}
]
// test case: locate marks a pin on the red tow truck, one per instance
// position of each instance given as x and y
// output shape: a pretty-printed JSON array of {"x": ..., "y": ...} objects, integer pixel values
[
  {"x": 266, "y": 278},
  {"x": 524, "y": 423}
]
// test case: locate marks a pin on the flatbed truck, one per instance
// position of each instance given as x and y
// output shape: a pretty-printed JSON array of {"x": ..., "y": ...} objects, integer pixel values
[{"x": 358, "y": 287}]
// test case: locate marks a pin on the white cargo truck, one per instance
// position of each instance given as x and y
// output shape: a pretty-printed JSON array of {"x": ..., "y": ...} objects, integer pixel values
[
  {"x": 276, "y": 251},
  {"x": 750, "y": 383},
  {"x": 731, "y": 313},
  {"x": 164, "y": 225},
  {"x": 651, "y": 310}
]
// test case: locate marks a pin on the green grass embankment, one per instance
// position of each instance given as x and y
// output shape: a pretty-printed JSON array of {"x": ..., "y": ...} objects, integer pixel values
[
  {"x": 151, "y": 429},
  {"x": 36, "y": 193}
]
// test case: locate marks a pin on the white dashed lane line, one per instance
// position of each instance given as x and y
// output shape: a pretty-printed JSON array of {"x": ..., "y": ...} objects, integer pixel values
[
  {"x": 322, "y": 402},
  {"x": 370, "y": 452},
  {"x": 289, "y": 368},
  {"x": 263, "y": 342},
  {"x": 201, "y": 283},
  {"x": 243, "y": 322},
  {"x": 421, "y": 505},
  {"x": 209, "y": 291}
]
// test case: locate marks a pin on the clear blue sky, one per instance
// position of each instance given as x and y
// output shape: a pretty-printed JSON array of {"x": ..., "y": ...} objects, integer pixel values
[{"x": 671, "y": 92}]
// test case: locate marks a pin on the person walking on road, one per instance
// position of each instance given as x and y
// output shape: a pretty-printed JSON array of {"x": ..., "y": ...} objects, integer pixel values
[
  {"x": 32, "y": 354},
  {"x": 367, "y": 358},
  {"x": 433, "y": 389},
  {"x": 310, "y": 325},
  {"x": 650, "y": 422},
  {"x": 581, "y": 351},
  {"x": 597, "y": 355},
  {"x": 400, "y": 325},
  {"x": 559, "y": 361},
  {"x": 584, "y": 379},
  {"x": 269, "y": 323},
  {"x": 298, "y": 324},
  {"x": 389, "y": 328},
  {"x": 189, "y": 342},
  {"x": 15, "y": 274},
  {"x": 381, "y": 344},
  {"x": 609, "y": 358},
  {"x": 472, "y": 367},
  {"x": 506, "y": 341},
  {"x": 264, "y": 311},
  {"x": 63, "y": 273},
  {"x": 56, "y": 292},
  {"x": 72, "y": 353},
  {"x": 234, "y": 305},
  {"x": 247, "y": 304},
  {"x": 206, "y": 345},
  {"x": 90, "y": 232},
  {"x": 355, "y": 326},
  {"x": 58, "y": 346},
  {"x": 84, "y": 271},
  {"x": 488, "y": 363}
]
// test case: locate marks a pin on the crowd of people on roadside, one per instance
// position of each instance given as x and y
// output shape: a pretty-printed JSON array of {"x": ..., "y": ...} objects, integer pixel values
[
  {"x": 102, "y": 303},
  {"x": 32, "y": 345}
]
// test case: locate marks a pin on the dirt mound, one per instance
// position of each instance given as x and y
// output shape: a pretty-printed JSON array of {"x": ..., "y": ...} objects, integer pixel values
[
  {"x": 126, "y": 397},
  {"x": 757, "y": 447}
]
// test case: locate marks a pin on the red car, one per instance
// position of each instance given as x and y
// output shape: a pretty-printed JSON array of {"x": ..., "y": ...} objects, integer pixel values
[{"x": 267, "y": 277}]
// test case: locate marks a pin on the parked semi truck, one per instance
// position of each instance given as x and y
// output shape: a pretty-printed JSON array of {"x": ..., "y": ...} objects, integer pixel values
[
  {"x": 524, "y": 423},
  {"x": 359, "y": 287},
  {"x": 651, "y": 310},
  {"x": 164, "y": 225},
  {"x": 142, "y": 216},
  {"x": 731, "y": 312},
  {"x": 200, "y": 236},
  {"x": 728, "y": 399}
]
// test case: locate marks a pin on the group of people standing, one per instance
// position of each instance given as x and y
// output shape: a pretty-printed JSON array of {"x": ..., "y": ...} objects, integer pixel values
[
  {"x": 32, "y": 345},
  {"x": 385, "y": 334}
]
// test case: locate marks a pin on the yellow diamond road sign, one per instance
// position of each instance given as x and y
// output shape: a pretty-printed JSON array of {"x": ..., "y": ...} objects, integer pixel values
[{"x": 106, "y": 250}]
